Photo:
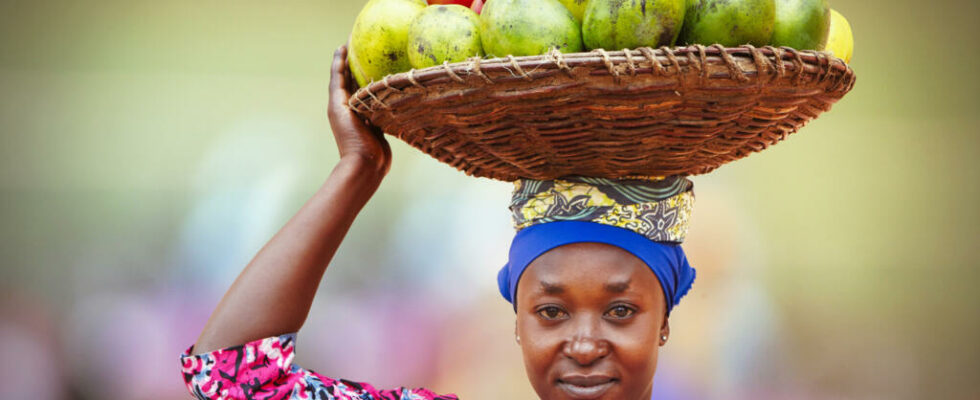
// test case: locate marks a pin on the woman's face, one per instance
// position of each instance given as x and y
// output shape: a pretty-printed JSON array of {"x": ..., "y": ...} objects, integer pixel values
[{"x": 589, "y": 321}]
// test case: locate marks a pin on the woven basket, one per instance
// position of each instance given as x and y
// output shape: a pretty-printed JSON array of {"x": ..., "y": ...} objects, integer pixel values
[{"x": 645, "y": 112}]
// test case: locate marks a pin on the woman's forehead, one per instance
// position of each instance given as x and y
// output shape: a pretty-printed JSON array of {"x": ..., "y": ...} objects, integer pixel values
[{"x": 587, "y": 264}]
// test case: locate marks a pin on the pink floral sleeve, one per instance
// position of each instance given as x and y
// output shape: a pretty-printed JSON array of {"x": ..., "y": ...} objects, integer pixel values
[{"x": 264, "y": 369}]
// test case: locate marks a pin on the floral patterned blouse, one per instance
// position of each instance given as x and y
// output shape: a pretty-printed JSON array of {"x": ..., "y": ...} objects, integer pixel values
[{"x": 264, "y": 370}]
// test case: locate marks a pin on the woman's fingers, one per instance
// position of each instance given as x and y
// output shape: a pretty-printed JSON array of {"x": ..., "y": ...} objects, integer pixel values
[
  {"x": 339, "y": 61},
  {"x": 352, "y": 133},
  {"x": 338, "y": 78}
]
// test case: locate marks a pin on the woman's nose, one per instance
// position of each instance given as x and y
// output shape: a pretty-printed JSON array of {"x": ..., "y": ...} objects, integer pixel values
[{"x": 586, "y": 349}]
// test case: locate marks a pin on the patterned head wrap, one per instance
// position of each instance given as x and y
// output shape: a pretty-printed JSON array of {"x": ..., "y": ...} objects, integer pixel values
[{"x": 648, "y": 217}]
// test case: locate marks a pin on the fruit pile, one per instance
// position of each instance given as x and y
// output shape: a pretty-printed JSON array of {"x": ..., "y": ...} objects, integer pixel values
[{"x": 392, "y": 36}]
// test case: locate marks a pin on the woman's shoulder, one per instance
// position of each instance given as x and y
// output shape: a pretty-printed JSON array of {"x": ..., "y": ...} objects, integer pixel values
[{"x": 264, "y": 369}]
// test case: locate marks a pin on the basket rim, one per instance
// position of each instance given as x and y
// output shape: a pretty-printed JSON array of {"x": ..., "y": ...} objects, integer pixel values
[{"x": 671, "y": 59}]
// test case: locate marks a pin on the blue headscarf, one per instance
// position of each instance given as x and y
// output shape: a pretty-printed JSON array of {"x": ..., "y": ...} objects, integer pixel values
[{"x": 667, "y": 261}]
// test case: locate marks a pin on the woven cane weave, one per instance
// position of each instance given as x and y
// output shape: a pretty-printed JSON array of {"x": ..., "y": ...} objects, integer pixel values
[{"x": 643, "y": 112}]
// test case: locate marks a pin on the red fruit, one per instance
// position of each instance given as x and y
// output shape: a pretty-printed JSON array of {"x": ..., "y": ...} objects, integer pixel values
[
  {"x": 464, "y": 3},
  {"x": 477, "y": 6}
]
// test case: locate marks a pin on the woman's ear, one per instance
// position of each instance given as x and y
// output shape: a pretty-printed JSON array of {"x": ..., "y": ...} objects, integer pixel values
[
  {"x": 517, "y": 337},
  {"x": 665, "y": 332}
]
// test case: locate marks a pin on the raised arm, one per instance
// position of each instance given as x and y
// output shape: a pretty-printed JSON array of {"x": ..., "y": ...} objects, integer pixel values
[{"x": 274, "y": 292}]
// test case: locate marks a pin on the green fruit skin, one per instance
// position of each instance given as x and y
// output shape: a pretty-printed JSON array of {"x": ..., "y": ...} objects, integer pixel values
[
  {"x": 354, "y": 62},
  {"x": 729, "y": 22},
  {"x": 444, "y": 33},
  {"x": 528, "y": 28},
  {"x": 577, "y": 7},
  {"x": 801, "y": 24},
  {"x": 379, "y": 40},
  {"x": 628, "y": 24}
]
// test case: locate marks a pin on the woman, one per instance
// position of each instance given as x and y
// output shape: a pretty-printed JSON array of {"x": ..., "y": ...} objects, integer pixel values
[{"x": 590, "y": 315}]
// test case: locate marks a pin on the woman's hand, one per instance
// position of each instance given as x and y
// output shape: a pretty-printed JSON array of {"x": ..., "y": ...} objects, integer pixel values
[{"x": 358, "y": 141}]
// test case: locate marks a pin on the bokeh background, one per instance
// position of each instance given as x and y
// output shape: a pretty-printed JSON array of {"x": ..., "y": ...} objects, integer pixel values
[{"x": 149, "y": 148}]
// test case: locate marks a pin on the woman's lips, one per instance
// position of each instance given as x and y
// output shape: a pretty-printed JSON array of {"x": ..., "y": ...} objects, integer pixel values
[{"x": 585, "y": 387}]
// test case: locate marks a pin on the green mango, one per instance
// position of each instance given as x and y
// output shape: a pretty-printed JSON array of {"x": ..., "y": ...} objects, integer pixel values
[
  {"x": 528, "y": 28},
  {"x": 802, "y": 24},
  {"x": 577, "y": 7},
  {"x": 379, "y": 40},
  {"x": 628, "y": 24},
  {"x": 444, "y": 33},
  {"x": 729, "y": 22},
  {"x": 354, "y": 62}
]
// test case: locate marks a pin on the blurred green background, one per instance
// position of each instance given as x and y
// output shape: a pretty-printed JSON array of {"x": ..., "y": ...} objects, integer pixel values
[{"x": 148, "y": 149}]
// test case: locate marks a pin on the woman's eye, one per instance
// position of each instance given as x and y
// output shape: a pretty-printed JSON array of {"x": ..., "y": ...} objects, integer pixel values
[
  {"x": 551, "y": 313},
  {"x": 620, "y": 312}
]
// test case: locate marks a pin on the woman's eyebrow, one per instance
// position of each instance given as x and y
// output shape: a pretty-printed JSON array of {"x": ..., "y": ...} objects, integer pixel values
[
  {"x": 552, "y": 288},
  {"x": 618, "y": 287}
]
